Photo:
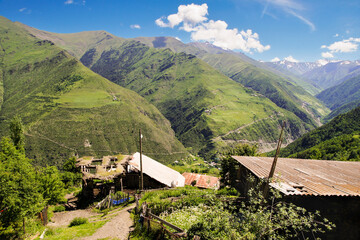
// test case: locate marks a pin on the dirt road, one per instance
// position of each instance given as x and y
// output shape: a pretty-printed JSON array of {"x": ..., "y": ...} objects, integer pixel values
[{"x": 118, "y": 227}]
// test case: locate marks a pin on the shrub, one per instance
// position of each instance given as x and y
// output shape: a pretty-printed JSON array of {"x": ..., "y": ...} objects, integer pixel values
[
  {"x": 59, "y": 208},
  {"x": 78, "y": 221}
]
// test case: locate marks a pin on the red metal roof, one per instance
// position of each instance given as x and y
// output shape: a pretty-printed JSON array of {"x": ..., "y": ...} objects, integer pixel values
[
  {"x": 202, "y": 181},
  {"x": 307, "y": 177}
]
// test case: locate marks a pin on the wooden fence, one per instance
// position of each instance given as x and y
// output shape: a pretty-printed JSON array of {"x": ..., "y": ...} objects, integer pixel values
[{"x": 164, "y": 225}]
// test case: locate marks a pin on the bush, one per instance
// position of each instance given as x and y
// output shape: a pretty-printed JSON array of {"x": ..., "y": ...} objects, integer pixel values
[
  {"x": 59, "y": 208},
  {"x": 78, "y": 221}
]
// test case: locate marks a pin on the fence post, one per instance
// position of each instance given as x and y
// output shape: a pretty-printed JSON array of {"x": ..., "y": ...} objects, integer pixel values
[
  {"x": 137, "y": 203},
  {"x": 148, "y": 211}
]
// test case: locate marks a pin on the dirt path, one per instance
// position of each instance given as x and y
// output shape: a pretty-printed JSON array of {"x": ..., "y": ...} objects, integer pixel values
[
  {"x": 64, "y": 218},
  {"x": 118, "y": 227}
]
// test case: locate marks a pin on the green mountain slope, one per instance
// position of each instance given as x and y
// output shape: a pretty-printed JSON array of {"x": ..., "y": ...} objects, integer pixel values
[
  {"x": 335, "y": 139},
  {"x": 344, "y": 93},
  {"x": 207, "y": 110},
  {"x": 343, "y": 109},
  {"x": 67, "y": 109},
  {"x": 284, "y": 92}
]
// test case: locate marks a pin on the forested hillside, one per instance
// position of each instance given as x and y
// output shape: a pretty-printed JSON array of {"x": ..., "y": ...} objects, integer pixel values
[
  {"x": 342, "y": 94},
  {"x": 67, "y": 109},
  {"x": 336, "y": 140}
]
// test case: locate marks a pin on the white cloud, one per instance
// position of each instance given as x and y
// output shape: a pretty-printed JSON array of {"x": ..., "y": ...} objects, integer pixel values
[
  {"x": 188, "y": 14},
  {"x": 289, "y": 6},
  {"x": 69, "y": 2},
  {"x": 276, "y": 59},
  {"x": 291, "y": 59},
  {"x": 344, "y": 46},
  {"x": 327, "y": 55},
  {"x": 336, "y": 35},
  {"x": 193, "y": 19},
  {"x": 135, "y": 26},
  {"x": 25, "y": 10}
]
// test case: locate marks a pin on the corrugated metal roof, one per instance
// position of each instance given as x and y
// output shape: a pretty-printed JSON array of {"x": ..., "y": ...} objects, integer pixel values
[
  {"x": 307, "y": 177},
  {"x": 157, "y": 171},
  {"x": 202, "y": 181}
]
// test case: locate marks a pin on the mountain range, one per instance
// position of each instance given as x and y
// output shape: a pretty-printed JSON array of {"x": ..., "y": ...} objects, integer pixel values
[
  {"x": 88, "y": 93},
  {"x": 204, "y": 106}
]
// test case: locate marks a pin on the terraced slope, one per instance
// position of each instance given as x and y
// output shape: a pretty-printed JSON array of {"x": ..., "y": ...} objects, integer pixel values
[
  {"x": 68, "y": 109},
  {"x": 285, "y": 91}
]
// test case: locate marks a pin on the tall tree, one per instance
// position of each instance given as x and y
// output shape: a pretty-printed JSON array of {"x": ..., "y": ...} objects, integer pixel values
[
  {"x": 50, "y": 185},
  {"x": 19, "y": 191},
  {"x": 17, "y": 133}
]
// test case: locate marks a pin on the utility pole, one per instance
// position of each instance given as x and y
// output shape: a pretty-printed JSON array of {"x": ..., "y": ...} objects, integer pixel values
[
  {"x": 273, "y": 166},
  {"x": 141, "y": 169}
]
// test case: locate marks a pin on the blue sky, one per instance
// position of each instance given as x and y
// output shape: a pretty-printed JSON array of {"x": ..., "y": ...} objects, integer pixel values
[{"x": 305, "y": 30}]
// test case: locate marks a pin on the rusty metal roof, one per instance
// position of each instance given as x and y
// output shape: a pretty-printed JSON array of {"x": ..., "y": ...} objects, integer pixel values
[
  {"x": 202, "y": 181},
  {"x": 307, "y": 177}
]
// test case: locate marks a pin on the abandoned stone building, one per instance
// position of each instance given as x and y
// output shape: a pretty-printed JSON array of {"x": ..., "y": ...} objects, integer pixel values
[{"x": 109, "y": 172}]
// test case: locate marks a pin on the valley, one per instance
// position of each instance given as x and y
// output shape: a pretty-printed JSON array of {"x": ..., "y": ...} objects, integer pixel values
[{"x": 138, "y": 120}]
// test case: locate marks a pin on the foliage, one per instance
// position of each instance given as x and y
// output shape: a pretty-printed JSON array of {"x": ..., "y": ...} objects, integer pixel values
[
  {"x": 70, "y": 179},
  {"x": 19, "y": 195},
  {"x": 229, "y": 166},
  {"x": 195, "y": 165},
  {"x": 17, "y": 133},
  {"x": 275, "y": 219},
  {"x": 71, "y": 175},
  {"x": 51, "y": 186},
  {"x": 332, "y": 140},
  {"x": 208, "y": 222},
  {"x": 59, "y": 208},
  {"x": 343, "y": 148},
  {"x": 70, "y": 165},
  {"x": 213, "y": 215},
  {"x": 78, "y": 221}
]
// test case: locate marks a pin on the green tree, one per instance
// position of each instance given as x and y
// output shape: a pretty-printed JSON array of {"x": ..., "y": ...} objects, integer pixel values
[
  {"x": 229, "y": 165},
  {"x": 19, "y": 191},
  {"x": 50, "y": 185},
  {"x": 17, "y": 133},
  {"x": 70, "y": 165},
  {"x": 71, "y": 174}
]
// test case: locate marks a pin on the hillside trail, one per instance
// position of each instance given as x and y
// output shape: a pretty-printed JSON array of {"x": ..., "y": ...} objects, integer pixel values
[{"x": 118, "y": 227}]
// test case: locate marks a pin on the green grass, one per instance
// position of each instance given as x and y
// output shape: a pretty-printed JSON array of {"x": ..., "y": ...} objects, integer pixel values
[
  {"x": 195, "y": 165},
  {"x": 69, "y": 233}
]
